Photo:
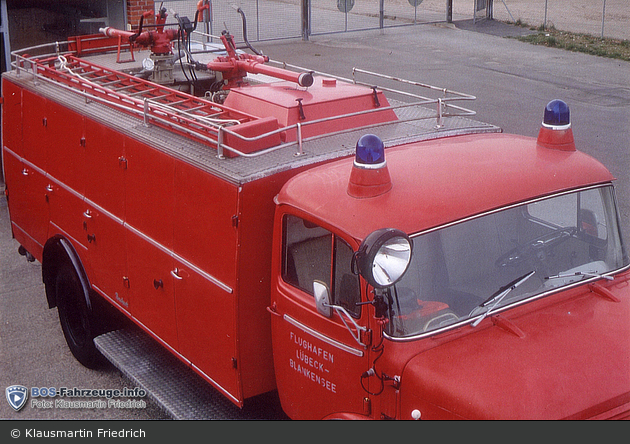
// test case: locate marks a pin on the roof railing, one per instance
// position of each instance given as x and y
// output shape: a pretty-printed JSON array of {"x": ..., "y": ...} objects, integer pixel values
[{"x": 212, "y": 131}]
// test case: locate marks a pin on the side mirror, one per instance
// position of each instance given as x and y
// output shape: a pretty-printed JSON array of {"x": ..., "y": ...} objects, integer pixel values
[
  {"x": 383, "y": 257},
  {"x": 322, "y": 298},
  {"x": 322, "y": 302}
]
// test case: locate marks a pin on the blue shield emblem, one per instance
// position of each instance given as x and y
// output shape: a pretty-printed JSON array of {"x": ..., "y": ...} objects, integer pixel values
[{"x": 17, "y": 395}]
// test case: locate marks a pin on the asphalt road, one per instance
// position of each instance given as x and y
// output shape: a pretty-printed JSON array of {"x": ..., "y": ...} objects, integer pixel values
[{"x": 513, "y": 81}]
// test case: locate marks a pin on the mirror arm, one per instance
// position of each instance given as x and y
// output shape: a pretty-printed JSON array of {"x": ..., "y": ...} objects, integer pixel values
[{"x": 341, "y": 311}]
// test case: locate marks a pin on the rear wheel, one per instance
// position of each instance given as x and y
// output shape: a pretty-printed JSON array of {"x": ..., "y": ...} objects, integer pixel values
[{"x": 75, "y": 317}]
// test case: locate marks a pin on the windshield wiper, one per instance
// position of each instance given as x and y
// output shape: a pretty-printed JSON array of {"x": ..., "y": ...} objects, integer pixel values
[
  {"x": 497, "y": 297},
  {"x": 580, "y": 273}
]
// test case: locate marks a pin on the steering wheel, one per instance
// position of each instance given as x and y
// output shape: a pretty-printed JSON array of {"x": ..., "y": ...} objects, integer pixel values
[{"x": 537, "y": 248}]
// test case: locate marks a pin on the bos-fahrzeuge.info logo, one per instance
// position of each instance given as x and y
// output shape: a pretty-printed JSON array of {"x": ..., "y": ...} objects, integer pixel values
[{"x": 17, "y": 396}]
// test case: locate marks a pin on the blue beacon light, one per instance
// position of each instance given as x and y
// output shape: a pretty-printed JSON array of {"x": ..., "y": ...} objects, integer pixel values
[
  {"x": 555, "y": 131},
  {"x": 370, "y": 152},
  {"x": 369, "y": 176},
  {"x": 557, "y": 115}
]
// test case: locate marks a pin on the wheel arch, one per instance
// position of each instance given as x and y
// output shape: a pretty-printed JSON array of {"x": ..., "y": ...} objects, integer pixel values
[{"x": 58, "y": 250}]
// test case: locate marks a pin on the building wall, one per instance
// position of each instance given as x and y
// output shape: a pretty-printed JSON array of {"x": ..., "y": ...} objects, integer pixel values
[{"x": 135, "y": 9}]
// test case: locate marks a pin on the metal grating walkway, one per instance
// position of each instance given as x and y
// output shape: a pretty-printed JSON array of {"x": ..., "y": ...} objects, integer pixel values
[{"x": 172, "y": 385}]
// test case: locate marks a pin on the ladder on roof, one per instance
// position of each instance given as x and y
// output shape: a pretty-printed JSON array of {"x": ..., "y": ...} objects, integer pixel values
[{"x": 175, "y": 110}]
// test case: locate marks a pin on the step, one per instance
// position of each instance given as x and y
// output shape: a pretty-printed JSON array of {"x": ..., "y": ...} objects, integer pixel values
[{"x": 177, "y": 389}]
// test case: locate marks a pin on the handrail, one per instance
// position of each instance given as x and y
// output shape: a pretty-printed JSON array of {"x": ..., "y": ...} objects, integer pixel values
[
  {"x": 445, "y": 91},
  {"x": 151, "y": 110}
]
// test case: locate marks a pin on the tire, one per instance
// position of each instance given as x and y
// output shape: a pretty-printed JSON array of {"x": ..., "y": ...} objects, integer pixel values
[{"x": 75, "y": 317}]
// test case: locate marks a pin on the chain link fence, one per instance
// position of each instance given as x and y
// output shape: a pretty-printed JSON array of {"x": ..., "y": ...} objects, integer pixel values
[
  {"x": 602, "y": 18},
  {"x": 278, "y": 19}
]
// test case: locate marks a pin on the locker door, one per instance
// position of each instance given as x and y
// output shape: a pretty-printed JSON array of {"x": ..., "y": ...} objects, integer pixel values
[
  {"x": 206, "y": 327},
  {"x": 149, "y": 215},
  {"x": 65, "y": 147},
  {"x": 205, "y": 242},
  {"x": 12, "y": 117},
  {"x": 34, "y": 123},
  {"x": 105, "y": 166},
  {"x": 65, "y": 157},
  {"x": 106, "y": 241},
  {"x": 152, "y": 292},
  {"x": 27, "y": 203},
  {"x": 104, "y": 213}
]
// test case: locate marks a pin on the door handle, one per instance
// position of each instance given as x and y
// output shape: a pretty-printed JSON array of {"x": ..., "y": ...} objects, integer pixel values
[
  {"x": 175, "y": 274},
  {"x": 273, "y": 309}
]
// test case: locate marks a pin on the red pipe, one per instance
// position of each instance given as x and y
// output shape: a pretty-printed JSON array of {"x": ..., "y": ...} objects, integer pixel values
[
  {"x": 113, "y": 32},
  {"x": 301, "y": 78},
  {"x": 234, "y": 68},
  {"x": 160, "y": 42}
]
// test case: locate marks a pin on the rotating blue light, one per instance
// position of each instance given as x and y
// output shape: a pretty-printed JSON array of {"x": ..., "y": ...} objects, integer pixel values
[
  {"x": 557, "y": 113},
  {"x": 370, "y": 150}
]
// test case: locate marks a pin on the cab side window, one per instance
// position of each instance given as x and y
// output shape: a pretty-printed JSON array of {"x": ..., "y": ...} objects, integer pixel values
[
  {"x": 346, "y": 292},
  {"x": 311, "y": 253}
]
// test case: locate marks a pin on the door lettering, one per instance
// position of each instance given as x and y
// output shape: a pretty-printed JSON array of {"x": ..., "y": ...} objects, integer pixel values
[{"x": 309, "y": 366}]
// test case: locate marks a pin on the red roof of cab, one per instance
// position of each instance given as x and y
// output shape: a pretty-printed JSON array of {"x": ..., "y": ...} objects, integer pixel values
[{"x": 443, "y": 180}]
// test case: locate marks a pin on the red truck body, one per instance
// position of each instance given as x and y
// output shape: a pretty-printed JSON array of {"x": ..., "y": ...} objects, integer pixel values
[{"x": 217, "y": 238}]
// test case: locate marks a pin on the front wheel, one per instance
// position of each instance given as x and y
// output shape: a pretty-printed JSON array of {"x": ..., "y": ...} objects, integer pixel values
[{"x": 75, "y": 318}]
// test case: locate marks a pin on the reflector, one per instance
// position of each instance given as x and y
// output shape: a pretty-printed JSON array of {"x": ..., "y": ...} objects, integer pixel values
[
  {"x": 383, "y": 257},
  {"x": 391, "y": 261}
]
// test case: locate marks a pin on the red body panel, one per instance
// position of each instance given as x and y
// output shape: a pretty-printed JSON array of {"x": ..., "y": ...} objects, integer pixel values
[
  {"x": 158, "y": 237},
  {"x": 152, "y": 288},
  {"x": 564, "y": 362},
  {"x": 35, "y": 113},
  {"x": 204, "y": 233},
  {"x": 255, "y": 223},
  {"x": 325, "y": 98},
  {"x": 28, "y": 202},
  {"x": 12, "y": 117},
  {"x": 66, "y": 147}
]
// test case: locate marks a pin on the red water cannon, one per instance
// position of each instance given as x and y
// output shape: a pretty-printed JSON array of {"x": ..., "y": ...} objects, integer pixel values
[
  {"x": 159, "y": 40},
  {"x": 235, "y": 66}
]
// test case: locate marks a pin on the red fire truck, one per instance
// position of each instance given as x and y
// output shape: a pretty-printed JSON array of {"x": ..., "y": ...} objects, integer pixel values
[{"x": 368, "y": 252}]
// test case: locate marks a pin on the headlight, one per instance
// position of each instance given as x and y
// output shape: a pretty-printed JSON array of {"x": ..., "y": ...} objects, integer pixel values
[{"x": 383, "y": 257}]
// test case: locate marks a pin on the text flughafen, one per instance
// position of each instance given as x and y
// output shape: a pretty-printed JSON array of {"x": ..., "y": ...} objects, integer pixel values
[{"x": 84, "y": 433}]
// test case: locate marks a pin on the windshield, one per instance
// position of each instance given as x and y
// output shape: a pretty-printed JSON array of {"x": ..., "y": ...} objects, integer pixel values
[{"x": 463, "y": 271}]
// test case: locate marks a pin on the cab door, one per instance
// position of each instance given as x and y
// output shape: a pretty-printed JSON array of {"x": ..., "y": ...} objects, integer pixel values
[{"x": 318, "y": 359}]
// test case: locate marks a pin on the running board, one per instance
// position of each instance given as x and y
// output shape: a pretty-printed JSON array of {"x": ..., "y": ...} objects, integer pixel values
[{"x": 176, "y": 388}]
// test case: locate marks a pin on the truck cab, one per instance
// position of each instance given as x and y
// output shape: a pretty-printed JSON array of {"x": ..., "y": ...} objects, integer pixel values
[{"x": 477, "y": 277}]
